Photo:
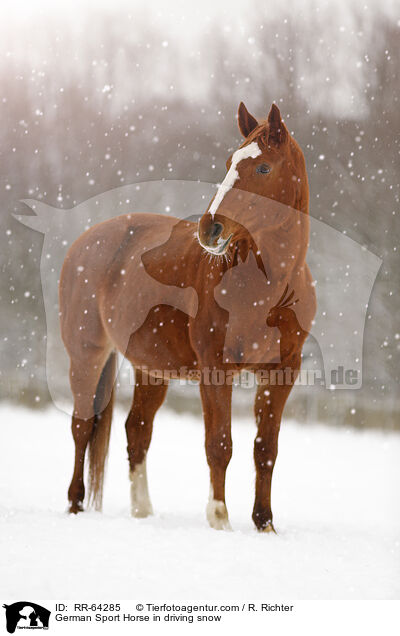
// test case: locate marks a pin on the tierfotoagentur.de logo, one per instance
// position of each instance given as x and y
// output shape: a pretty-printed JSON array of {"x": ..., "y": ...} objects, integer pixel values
[{"x": 26, "y": 615}]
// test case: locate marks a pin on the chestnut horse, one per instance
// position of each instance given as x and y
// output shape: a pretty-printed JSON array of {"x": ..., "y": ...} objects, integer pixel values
[{"x": 171, "y": 296}]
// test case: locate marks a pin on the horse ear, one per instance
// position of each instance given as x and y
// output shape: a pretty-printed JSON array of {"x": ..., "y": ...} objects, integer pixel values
[
  {"x": 246, "y": 122},
  {"x": 277, "y": 132}
]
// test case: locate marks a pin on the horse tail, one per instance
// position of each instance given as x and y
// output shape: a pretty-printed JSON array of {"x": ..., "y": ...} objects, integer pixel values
[{"x": 100, "y": 438}]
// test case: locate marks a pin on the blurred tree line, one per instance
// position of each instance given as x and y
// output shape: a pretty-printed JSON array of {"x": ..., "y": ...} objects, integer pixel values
[{"x": 99, "y": 100}]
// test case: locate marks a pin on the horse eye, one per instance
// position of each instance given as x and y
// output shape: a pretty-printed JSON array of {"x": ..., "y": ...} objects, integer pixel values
[{"x": 263, "y": 168}]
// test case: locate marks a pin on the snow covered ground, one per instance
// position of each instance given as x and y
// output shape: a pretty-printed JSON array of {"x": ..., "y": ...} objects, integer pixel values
[{"x": 335, "y": 501}]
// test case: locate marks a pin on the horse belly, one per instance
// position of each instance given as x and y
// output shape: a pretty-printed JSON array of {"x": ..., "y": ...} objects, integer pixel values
[{"x": 162, "y": 342}]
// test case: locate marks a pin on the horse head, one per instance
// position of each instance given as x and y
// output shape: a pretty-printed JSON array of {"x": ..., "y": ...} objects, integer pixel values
[{"x": 266, "y": 179}]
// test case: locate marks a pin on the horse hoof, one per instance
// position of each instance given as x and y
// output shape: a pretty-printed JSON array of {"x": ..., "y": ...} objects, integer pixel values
[
  {"x": 140, "y": 512},
  {"x": 75, "y": 507},
  {"x": 220, "y": 524},
  {"x": 268, "y": 528},
  {"x": 217, "y": 515}
]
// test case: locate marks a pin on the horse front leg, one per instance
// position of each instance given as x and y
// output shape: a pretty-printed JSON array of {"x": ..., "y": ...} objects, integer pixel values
[
  {"x": 216, "y": 402},
  {"x": 269, "y": 405}
]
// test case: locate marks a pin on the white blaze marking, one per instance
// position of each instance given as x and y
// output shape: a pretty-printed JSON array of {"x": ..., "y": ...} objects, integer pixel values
[
  {"x": 252, "y": 150},
  {"x": 140, "y": 500}
]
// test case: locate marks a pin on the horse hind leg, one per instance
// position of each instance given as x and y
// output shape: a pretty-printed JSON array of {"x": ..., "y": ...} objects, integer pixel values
[
  {"x": 147, "y": 400},
  {"x": 91, "y": 421},
  {"x": 81, "y": 432}
]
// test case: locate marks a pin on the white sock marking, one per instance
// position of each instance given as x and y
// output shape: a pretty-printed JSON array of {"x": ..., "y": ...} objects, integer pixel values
[
  {"x": 217, "y": 513},
  {"x": 140, "y": 500}
]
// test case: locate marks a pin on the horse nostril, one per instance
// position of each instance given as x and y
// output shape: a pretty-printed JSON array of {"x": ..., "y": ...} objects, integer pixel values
[{"x": 216, "y": 230}]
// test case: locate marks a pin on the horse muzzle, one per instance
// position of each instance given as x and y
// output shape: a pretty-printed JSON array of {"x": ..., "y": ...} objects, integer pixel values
[{"x": 211, "y": 236}]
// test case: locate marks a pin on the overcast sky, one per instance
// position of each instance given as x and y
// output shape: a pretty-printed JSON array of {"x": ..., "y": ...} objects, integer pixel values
[{"x": 181, "y": 42}]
